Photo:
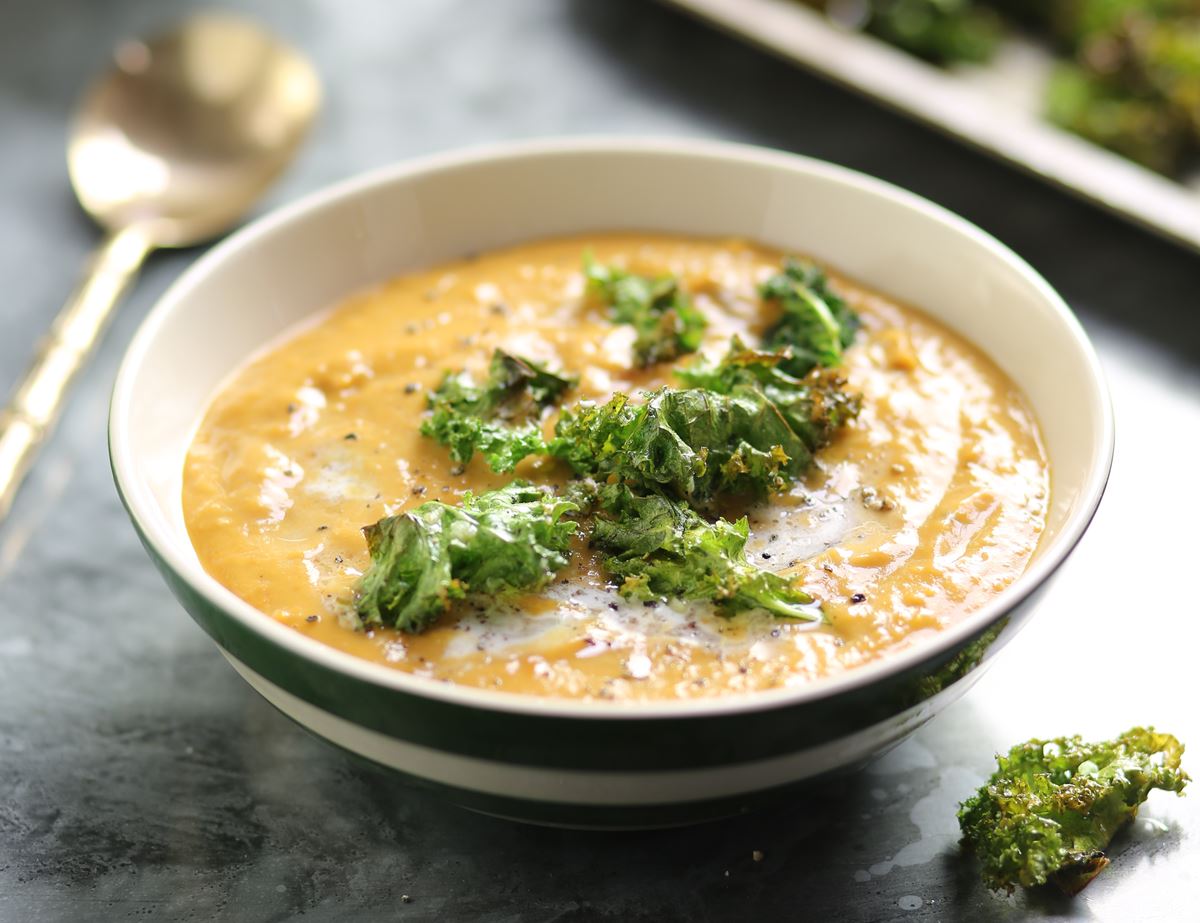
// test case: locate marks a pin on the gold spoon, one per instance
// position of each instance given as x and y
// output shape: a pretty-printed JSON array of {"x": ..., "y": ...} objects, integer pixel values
[{"x": 167, "y": 150}]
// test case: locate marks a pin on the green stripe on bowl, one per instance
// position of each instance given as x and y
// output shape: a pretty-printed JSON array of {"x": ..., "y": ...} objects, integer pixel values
[
  {"x": 619, "y": 741},
  {"x": 616, "y": 741}
]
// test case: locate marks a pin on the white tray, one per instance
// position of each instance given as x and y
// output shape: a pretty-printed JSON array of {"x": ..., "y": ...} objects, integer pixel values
[{"x": 993, "y": 107}]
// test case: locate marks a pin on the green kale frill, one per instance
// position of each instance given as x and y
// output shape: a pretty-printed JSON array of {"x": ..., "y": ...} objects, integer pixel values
[
  {"x": 500, "y": 541},
  {"x": 1052, "y": 806},
  {"x": 500, "y": 418},
  {"x": 662, "y": 550},
  {"x": 750, "y": 428},
  {"x": 815, "y": 323},
  {"x": 666, "y": 322}
]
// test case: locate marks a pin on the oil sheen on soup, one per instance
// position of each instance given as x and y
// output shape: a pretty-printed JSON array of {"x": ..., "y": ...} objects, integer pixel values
[{"x": 927, "y": 505}]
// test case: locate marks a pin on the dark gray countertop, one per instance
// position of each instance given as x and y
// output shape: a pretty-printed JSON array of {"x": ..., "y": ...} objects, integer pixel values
[{"x": 140, "y": 777}]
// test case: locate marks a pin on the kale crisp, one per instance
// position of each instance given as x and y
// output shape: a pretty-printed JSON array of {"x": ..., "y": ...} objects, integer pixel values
[
  {"x": 662, "y": 550},
  {"x": 513, "y": 538},
  {"x": 498, "y": 418},
  {"x": 666, "y": 322},
  {"x": 1051, "y": 808},
  {"x": 745, "y": 425}
]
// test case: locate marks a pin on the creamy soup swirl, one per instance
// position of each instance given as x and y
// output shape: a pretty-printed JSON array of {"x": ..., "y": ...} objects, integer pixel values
[{"x": 926, "y": 506}]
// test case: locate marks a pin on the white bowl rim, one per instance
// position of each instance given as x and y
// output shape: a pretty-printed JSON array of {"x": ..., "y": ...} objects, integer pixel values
[{"x": 124, "y": 461}]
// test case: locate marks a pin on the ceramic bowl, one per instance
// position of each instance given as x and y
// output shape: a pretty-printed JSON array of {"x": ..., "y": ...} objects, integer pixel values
[{"x": 600, "y": 764}]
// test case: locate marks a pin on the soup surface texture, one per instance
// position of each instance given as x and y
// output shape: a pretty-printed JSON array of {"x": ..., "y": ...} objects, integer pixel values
[{"x": 928, "y": 504}]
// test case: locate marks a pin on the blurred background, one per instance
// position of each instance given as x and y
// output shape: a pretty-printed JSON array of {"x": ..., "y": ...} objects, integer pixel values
[{"x": 140, "y": 776}]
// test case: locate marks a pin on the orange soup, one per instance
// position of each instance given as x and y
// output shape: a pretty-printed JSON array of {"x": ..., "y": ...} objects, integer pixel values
[{"x": 923, "y": 508}]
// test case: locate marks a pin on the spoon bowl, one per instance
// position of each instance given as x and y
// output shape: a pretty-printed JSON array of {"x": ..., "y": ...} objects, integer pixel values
[
  {"x": 169, "y": 149},
  {"x": 188, "y": 130}
]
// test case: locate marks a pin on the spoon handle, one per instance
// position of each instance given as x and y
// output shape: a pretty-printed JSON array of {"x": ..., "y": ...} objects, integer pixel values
[{"x": 31, "y": 414}]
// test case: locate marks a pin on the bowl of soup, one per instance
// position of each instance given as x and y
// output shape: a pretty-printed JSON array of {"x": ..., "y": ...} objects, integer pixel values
[{"x": 611, "y": 483}]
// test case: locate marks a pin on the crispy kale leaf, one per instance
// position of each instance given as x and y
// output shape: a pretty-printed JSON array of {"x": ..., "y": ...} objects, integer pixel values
[
  {"x": 746, "y": 425},
  {"x": 816, "y": 324},
  {"x": 691, "y": 443},
  {"x": 498, "y": 418},
  {"x": 1052, "y": 806},
  {"x": 662, "y": 550},
  {"x": 815, "y": 407},
  {"x": 513, "y": 538},
  {"x": 1136, "y": 124},
  {"x": 942, "y": 31},
  {"x": 1132, "y": 77},
  {"x": 1129, "y": 75},
  {"x": 1134, "y": 82},
  {"x": 663, "y": 316},
  {"x": 1076, "y": 22}
]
